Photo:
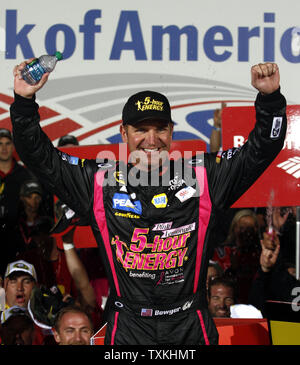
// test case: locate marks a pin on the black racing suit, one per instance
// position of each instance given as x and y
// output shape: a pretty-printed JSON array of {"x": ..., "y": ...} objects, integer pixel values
[{"x": 155, "y": 239}]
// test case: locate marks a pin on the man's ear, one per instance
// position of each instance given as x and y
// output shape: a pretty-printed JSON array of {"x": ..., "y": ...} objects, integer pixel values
[
  {"x": 56, "y": 335},
  {"x": 123, "y": 131}
]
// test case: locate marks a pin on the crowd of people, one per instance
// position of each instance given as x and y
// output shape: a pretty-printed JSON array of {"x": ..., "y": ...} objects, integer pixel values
[
  {"x": 51, "y": 294},
  {"x": 31, "y": 259}
]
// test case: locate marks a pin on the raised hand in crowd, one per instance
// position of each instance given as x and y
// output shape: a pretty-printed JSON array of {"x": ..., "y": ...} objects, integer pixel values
[
  {"x": 218, "y": 116},
  {"x": 270, "y": 247},
  {"x": 216, "y": 134}
]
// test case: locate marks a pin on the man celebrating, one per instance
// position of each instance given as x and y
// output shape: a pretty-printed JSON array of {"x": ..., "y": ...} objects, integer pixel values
[
  {"x": 20, "y": 278},
  {"x": 154, "y": 238}
]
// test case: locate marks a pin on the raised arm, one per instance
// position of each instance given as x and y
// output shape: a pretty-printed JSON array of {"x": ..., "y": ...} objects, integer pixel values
[
  {"x": 78, "y": 272},
  {"x": 235, "y": 170}
]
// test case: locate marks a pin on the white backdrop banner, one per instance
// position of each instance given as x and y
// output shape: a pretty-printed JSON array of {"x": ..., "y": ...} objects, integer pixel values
[{"x": 197, "y": 53}]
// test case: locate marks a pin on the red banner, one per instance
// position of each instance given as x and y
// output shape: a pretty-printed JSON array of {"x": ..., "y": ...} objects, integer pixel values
[{"x": 282, "y": 178}]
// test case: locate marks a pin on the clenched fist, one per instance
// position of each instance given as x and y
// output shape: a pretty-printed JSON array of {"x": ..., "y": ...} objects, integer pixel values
[{"x": 265, "y": 77}]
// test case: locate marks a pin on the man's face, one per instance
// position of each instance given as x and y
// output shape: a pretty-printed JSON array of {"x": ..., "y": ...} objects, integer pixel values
[
  {"x": 246, "y": 232},
  {"x": 74, "y": 329},
  {"x": 18, "y": 287},
  {"x": 6, "y": 149},
  {"x": 32, "y": 202},
  {"x": 220, "y": 301},
  {"x": 19, "y": 331},
  {"x": 149, "y": 142}
]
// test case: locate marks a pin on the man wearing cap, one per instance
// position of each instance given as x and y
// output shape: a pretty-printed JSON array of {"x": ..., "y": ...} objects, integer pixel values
[
  {"x": 17, "y": 327},
  {"x": 154, "y": 237},
  {"x": 19, "y": 281},
  {"x": 20, "y": 278},
  {"x": 31, "y": 198}
]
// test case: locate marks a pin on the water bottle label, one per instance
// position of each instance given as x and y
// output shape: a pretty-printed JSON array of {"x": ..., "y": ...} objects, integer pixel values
[{"x": 36, "y": 70}]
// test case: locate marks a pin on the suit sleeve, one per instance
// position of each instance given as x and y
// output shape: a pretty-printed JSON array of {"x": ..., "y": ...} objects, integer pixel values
[
  {"x": 232, "y": 173},
  {"x": 71, "y": 179}
]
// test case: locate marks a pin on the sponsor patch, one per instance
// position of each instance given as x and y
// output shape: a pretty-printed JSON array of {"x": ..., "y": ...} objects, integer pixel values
[
  {"x": 187, "y": 305},
  {"x": 149, "y": 104},
  {"x": 160, "y": 200},
  {"x": 196, "y": 161},
  {"x": 179, "y": 230},
  {"x": 104, "y": 165},
  {"x": 123, "y": 202},
  {"x": 119, "y": 177},
  {"x": 162, "y": 226},
  {"x": 127, "y": 215},
  {"x": 185, "y": 193},
  {"x": 146, "y": 312},
  {"x": 72, "y": 160},
  {"x": 218, "y": 157},
  {"x": 176, "y": 183},
  {"x": 276, "y": 127}
]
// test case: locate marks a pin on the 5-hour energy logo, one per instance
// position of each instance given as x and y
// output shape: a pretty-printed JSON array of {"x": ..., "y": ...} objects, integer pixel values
[{"x": 162, "y": 253}]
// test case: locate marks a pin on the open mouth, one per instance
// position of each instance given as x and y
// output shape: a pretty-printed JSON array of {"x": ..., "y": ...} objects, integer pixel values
[{"x": 20, "y": 298}]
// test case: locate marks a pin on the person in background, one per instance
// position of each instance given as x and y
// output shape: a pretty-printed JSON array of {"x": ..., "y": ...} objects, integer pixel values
[
  {"x": 19, "y": 280},
  {"x": 239, "y": 255},
  {"x": 17, "y": 327},
  {"x": 67, "y": 141},
  {"x": 221, "y": 295},
  {"x": 274, "y": 279},
  {"x": 86, "y": 297},
  {"x": 30, "y": 212},
  {"x": 73, "y": 326},
  {"x": 12, "y": 175},
  {"x": 48, "y": 259},
  {"x": 216, "y": 134}
]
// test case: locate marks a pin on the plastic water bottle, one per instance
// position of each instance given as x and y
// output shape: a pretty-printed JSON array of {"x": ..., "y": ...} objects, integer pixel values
[{"x": 34, "y": 70}]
